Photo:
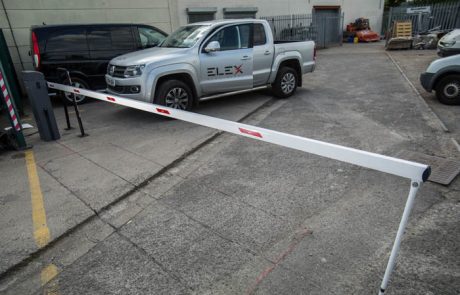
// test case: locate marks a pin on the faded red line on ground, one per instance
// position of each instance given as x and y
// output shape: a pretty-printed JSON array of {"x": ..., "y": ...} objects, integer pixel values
[{"x": 295, "y": 241}]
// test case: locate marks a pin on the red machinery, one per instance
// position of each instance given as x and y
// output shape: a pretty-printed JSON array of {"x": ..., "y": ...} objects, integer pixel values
[{"x": 361, "y": 29}]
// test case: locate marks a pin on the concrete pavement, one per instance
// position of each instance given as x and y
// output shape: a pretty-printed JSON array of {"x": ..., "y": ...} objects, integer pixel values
[
  {"x": 414, "y": 62},
  {"x": 81, "y": 176},
  {"x": 240, "y": 216}
]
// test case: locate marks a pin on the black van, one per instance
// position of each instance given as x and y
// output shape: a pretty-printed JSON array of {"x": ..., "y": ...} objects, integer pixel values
[{"x": 85, "y": 50}]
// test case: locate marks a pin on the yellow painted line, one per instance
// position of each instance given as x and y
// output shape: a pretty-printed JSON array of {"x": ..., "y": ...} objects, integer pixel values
[
  {"x": 47, "y": 274},
  {"x": 41, "y": 230}
]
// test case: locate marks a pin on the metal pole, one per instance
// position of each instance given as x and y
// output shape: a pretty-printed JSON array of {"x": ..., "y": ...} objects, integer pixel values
[
  {"x": 77, "y": 112},
  {"x": 66, "y": 113},
  {"x": 387, "y": 33},
  {"x": 402, "y": 226},
  {"x": 419, "y": 23},
  {"x": 64, "y": 100}
]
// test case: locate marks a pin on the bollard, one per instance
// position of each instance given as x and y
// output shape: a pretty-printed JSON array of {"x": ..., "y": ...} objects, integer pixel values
[{"x": 42, "y": 109}]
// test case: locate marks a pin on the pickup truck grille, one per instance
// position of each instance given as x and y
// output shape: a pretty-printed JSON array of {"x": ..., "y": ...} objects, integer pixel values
[{"x": 116, "y": 71}]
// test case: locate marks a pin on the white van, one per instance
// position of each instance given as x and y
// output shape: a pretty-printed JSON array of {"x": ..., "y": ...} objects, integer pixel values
[{"x": 449, "y": 44}]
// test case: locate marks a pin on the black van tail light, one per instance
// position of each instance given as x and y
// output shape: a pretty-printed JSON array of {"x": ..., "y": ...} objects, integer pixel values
[{"x": 36, "y": 51}]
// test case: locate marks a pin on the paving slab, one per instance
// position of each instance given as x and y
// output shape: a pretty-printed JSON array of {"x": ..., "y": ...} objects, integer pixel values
[
  {"x": 199, "y": 256},
  {"x": 127, "y": 165},
  {"x": 61, "y": 254},
  {"x": 116, "y": 266},
  {"x": 95, "y": 186},
  {"x": 18, "y": 240}
]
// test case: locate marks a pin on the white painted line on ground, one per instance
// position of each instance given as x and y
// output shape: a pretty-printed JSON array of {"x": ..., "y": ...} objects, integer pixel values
[{"x": 457, "y": 145}]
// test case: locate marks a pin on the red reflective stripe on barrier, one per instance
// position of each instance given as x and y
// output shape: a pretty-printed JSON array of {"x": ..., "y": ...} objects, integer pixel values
[
  {"x": 13, "y": 117},
  {"x": 7, "y": 97},
  {"x": 3, "y": 87},
  {"x": 76, "y": 90},
  {"x": 10, "y": 108},
  {"x": 163, "y": 111},
  {"x": 110, "y": 98},
  {"x": 250, "y": 132}
]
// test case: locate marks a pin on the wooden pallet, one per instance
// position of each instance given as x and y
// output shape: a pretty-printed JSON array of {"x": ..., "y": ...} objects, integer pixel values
[{"x": 402, "y": 29}]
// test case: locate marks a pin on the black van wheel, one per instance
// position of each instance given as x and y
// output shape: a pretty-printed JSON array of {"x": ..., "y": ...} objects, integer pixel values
[
  {"x": 175, "y": 94},
  {"x": 79, "y": 83}
]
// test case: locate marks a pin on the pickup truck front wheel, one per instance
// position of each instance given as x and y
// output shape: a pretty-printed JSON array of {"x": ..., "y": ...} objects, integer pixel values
[
  {"x": 448, "y": 90},
  {"x": 285, "y": 83},
  {"x": 175, "y": 94}
]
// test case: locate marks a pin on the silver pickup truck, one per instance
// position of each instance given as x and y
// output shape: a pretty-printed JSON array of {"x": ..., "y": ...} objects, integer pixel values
[{"x": 204, "y": 60}]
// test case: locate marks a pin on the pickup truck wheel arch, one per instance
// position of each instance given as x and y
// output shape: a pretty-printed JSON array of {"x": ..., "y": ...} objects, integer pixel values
[
  {"x": 174, "y": 94},
  {"x": 294, "y": 64},
  {"x": 286, "y": 82},
  {"x": 184, "y": 77}
]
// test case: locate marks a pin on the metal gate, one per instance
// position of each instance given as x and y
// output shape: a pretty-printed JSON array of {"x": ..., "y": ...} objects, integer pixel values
[
  {"x": 323, "y": 28},
  {"x": 444, "y": 15}
]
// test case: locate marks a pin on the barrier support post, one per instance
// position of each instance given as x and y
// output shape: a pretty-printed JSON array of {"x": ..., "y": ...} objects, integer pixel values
[
  {"x": 74, "y": 101},
  {"x": 13, "y": 115},
  {"x": 397, "y": 243}
]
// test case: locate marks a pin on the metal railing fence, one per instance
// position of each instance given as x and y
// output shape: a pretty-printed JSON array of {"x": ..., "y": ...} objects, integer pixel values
[
  {"x": 324, "y": 29},
  {"x": 445, "y": 15}
]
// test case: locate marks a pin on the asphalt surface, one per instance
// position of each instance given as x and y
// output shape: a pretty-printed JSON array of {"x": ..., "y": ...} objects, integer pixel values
[
  {"x": 146, "y": 205},
  {"x": 414, "y": 62}
]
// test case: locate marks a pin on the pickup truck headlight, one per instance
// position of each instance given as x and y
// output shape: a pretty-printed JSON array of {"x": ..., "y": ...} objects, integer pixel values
[{"x": 133, "y": 71}]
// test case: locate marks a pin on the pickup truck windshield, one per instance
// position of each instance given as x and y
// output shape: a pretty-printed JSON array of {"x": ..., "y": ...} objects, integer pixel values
[{"x": 185, "y": 37}]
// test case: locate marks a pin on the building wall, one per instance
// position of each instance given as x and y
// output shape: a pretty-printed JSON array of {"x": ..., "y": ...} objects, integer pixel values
[
  {"x": 352, "y": 9},
  {"x": 17, "y": 16}
]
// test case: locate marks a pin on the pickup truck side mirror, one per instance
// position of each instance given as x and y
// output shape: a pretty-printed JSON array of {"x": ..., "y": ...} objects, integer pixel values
[{"x": 212, "y": 46}]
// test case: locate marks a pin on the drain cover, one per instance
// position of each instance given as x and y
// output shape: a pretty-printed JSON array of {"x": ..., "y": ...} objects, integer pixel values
[{"x": 443, "y": 171}]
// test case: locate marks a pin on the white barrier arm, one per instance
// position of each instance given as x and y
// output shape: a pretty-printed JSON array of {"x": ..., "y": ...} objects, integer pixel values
[
  {"x": 412, "y": 170},
  {"x": 416, "y": 172}
]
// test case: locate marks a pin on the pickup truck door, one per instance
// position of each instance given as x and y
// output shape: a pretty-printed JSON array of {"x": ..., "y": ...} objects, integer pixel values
[
  {"x": 263, "y": 55},
  {"x": 230, "y": 68}
]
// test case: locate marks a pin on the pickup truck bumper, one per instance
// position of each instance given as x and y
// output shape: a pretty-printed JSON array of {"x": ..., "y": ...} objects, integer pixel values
[
  {"x": 127, "y": 87},
  {"x": 426, "y": 81}
]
